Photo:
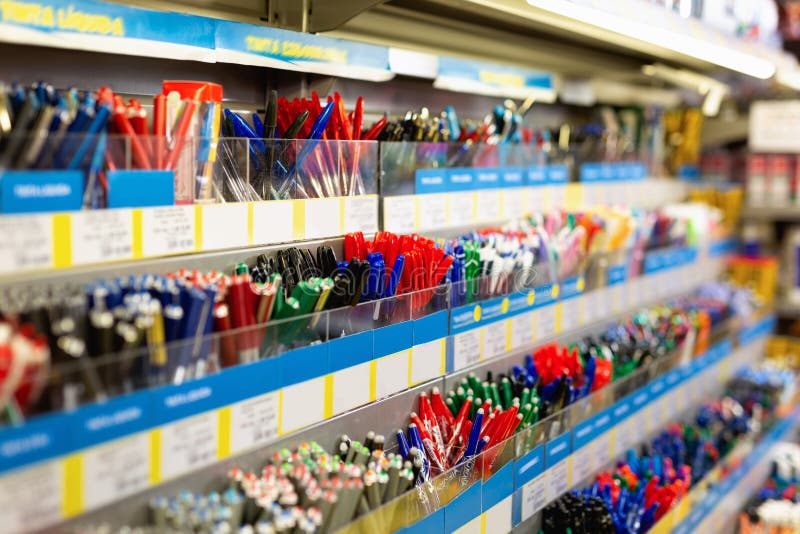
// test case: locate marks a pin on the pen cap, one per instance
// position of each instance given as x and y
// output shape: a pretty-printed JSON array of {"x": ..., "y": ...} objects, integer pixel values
[{"x": 202, "y": 91}]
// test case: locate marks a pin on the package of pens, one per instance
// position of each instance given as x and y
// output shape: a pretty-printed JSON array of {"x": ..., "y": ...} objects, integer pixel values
[
  {"x": 299, "y": 149},
  {"x": 775, "y": 507}
]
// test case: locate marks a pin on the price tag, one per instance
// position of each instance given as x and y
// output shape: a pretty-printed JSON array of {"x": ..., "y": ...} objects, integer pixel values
[
  {"x": 533, "y": 496},
  {"x": 399, "y": 214},
  {"x": 31, "y": 499},
  {"x": 432, "y": 211},
  {"x": 582, "y": 463},
  {"x": 189, "y": 444},
  {"x": 558, "y": 196},
  {"x": 360, "y": 213},
  {"x": 168, "y": 230},
  {"x": 537, "y": 198},
  {"x": 546, "y": 324},
  {"x": 266, "y": 219},
  {"x": 322, "y": 218},
  {"x": 494, "y": 339},
  {"x": 623, "y": 435},
  {"x": 462, "y": 208},
  {"x": 254, "y": 422},
  {"x": 488, "y": 205},
  {"x": 116, "y": 470},
  {"x": 514, "y": 202},
  {"x": 102, "y": 235},
  {"x": 571, "y": 314},
  {"x": 26, "y": 243},
  {"x": 522, "y": 330},
  {"x": 558, "y": 479},
  {"x": 466, "y": 348},
  {"x": 603, "y": 449},
  {"x": 302, "y": 405},
  {"x": 226, "y": 226}
]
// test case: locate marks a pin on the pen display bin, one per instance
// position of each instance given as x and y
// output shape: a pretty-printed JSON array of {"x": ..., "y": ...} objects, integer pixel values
[
  {"x": 69, "y": 172},
  {"x": 278, "y": 169}
]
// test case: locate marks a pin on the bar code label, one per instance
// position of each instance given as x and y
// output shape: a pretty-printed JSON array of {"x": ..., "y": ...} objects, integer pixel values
[
  {"x": 31, "y": 499},
  {"x": 533, "y": 496},
  {"x": 273, "y": 222},
  {"x": 254, "y": 422},
  {"x": 462, "y": 208},
  {"x": 116, "y": 470},
  {"x": 399, "y": 214},
  {"x": 102, "y": 235},
  {"x": 466, "y": 348},
  {"x": 547, "y": 322},
  {"x": 558, "y": 479},
  {"x": 583, "y": 464},
  {"x": 26, "y": 243},
  {"x": 168, "y": 230},
  {"x": 189, "y": 444},
  {"x": 494, "y": 339},
  {"x": 522, "y": 333},
  {"x": 602, "y": 450},
  {"x": 361, "y": 213},
  {"x": 432, "y": 209}
]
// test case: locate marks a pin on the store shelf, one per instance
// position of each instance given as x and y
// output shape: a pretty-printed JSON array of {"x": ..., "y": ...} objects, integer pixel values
[
  {"x": 298, "y": 389},
  {"x": 771, "y": 213}
]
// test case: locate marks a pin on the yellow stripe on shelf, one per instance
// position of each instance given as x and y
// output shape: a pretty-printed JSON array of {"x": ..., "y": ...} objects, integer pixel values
[
  {"x": 198, "y": 227},
  {"x": 224, "y": 434},
  {"x": 328, "y": 409},
  {"x": 410, "y": 366},
  {"x": 443, "y": 356},
  {"x": 299, "y": 219},
  {"x": 482, "y": 332},
  {"x": 508, "y": 335},
  {"x": 558, "y": 317},
  {"x": 483, "y": 523},
  {"x": 417, "y": 212},
  {"x": 373, "y": 380},
  {"x": 73, "y": 485},
  {"x": 155, "y": 456},
  {"x": 138, "y": 247},
  {"x": 280, "y": 412},
  {"x": 341, "y": 214},
  {"x": 62, "y": 240},
  {"x": 250, "y": 223}
]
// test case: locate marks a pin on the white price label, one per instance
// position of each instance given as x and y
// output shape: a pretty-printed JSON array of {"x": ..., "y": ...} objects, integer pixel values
[
  {"x": 432, "y": 209},
  {"x": 189, "y": 444},
  {"x": 102, "y": 235},
  {"x": 514, "y": 201},
  {"x": 399, "y": 214},
  {"x": 571, "y": 314},
  {"x": 546, "y": 324},
  {"x": 522, "y": 333},
  {"x": 624, "y": 435},
  {"x": 254, "y": 422},
  {"x": 603, "y": 452},
  {"x": 168, "y": 230},
  {"x": 427, "y": 361},
  {"x": 265, "y": 217},
  {"x": 462, "y": 208},
  {"x": 582, "y": 463},
  {"x": 533, "y": 496},
  {"x": 494, "y": 339},
  {"x": 322, "y": 218},
  {"x": 488, "y": 205},
  {"x": 116, "y": 470},
  {"x": 558, "y": 479},
  {"x": 361, "y": 214},
  {"x": 225, "y": 226},
  {"x": 31, "y": 499},
  {"x": 537, "y": 199},
  {"x": 466, "y": 348},
  {"x": 26, "y": 243},
  {"x": 558, "y": 196}
]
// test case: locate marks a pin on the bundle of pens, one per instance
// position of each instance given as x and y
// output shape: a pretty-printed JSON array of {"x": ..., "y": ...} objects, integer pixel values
[
  {"x": 328, "y": 161},
  {"x": 775, "y": 509},
  {"x": 642, "y": 489},
  {"x": 767, "y": 385},
  {"x": 541, "y": 249},
  {"x": 306, "y": 490}
]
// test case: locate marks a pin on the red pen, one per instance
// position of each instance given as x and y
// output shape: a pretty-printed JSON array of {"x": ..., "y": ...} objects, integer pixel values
[
  {"x": 160, "y": 128},
  {"x": 123, "y": 125},
  {"x": 375, "y": 131}
]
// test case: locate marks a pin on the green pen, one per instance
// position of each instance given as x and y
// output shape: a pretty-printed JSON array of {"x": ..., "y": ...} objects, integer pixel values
[
  {"x": 477, "y": 403},
  {"x": 526, "y": 396},
  {"x": 241, "y": 268},
  {"x": 505, "y": 392},
  {"x": 495, "y": 394},
  {"x": 451, "y": 405}
]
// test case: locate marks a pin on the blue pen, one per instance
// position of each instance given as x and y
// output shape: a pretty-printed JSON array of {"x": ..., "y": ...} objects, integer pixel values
[
  {"x": 402, "y": 443},
  {"x": 317, "y": 129},
  {"x": 258, "y": 125},
  {"x": 452, "y": 123},
  {"x": 91, "y": 195},
  {"x": 377, "y": 276},
  {"x": 81, "y": 121},
  {"x": 394, "y": 277}
]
